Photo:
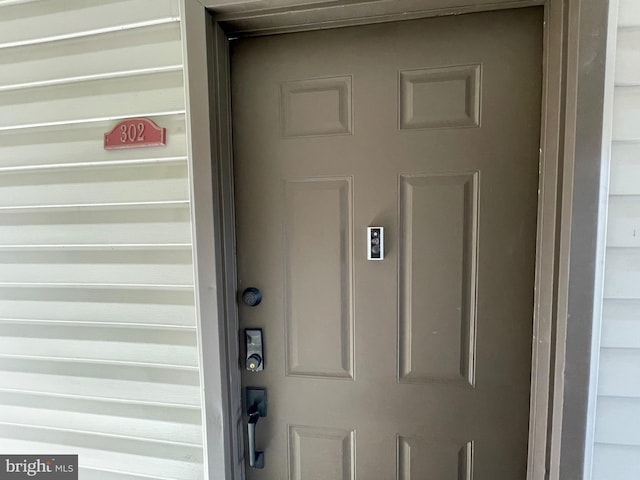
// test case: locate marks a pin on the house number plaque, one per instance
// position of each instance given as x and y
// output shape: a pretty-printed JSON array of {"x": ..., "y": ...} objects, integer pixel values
[{"x": 135, "y": 133}]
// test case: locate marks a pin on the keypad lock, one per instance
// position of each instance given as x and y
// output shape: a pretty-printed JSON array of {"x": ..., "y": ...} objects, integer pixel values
[{"x": 254, "y": 359}]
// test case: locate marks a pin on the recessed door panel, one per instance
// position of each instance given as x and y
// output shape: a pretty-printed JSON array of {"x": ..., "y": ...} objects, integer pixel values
[
  {"x": 438, "y": 213},
  {"x": 320, "y": 106},
  {"x": 318, "y": 291},
  {"x": 442, "y": 459},
  {"x": 443, "y": 97},
  {"x": 322, "y": 453}
]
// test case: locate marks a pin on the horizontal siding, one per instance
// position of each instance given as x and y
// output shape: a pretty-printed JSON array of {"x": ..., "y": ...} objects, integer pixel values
[
  {"x": 44, "y": 21},
  {"x": 119, "y": 224},
  {"x": 616, "y": 451},
  {"x": 150, "y": 48},
  {"x": 93, "y": 305},
  {"x": 623, "y": 228},
  {"x": 618, "y": 370},
  {"x": 629, "y": 14},
  {"x": 625, "y": 169},
  {"x": 620, "y": 324},
  {"x": 622, "y": 273},
  {"x": 128, "y": 457},
  {"x": 71, "y": 146},
  {"x": 98, "y": 339},
  {"x": 616, "y": 462},
  {"x": 628, "y": 57},
  {"x": 121, "y": 348},
  {"x": 619, "y": 310},
  {"x": 169, "y": 423},
  {"x": 137, "y": 95},
  {"x": 87, "y": 473},
  {"x": 151, "y": 182},
  {"x": 621, "y": 333},
  {"x": 156, "y": 267},
  {"x": 626, "y": 114},
  {"x": 83, "y": 378},
  {"x": 618, "y": 421}
]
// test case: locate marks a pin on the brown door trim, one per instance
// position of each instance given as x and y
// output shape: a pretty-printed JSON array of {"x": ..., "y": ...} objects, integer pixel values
[{"x": 571, "y": 181}]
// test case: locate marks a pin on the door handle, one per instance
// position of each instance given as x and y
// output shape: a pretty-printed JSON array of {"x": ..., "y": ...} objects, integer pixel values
[
  {"x": 256, "y": 459},
  {"x": 257, "y": 407}
]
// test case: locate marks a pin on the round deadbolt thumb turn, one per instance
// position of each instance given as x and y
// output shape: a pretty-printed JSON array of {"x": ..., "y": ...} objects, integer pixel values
[{"x": 251, "y": 297}]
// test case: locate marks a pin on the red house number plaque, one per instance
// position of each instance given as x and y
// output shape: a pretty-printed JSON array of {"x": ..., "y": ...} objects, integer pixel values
[{"x": 135, "y": 133}]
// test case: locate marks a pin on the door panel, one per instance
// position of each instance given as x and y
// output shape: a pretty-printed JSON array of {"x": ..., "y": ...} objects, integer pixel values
[
  {"x": 416, "y": 366},
  {"x": 437, "y": 321},
  {"x": 319, "y": 307},
  {"x": 317, "y": 452}
]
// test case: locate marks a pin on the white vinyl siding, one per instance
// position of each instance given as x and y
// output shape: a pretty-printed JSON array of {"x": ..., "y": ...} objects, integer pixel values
[
  {"x": 98, "y": 342},
  {"x": 617, "y": 435}
]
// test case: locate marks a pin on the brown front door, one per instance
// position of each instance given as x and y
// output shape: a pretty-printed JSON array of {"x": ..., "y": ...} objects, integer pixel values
[{"x": 416, "y": 366}]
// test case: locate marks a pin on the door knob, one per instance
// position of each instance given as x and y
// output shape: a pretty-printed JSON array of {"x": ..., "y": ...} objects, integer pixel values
[{"x": 256, "y": 408}]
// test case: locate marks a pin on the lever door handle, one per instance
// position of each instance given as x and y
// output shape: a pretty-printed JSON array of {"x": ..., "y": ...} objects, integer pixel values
[{"x": 257, "y": 407}]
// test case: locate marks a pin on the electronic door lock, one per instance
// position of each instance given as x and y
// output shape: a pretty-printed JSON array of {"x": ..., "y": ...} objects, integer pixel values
[{"x": 254, "y": 359}]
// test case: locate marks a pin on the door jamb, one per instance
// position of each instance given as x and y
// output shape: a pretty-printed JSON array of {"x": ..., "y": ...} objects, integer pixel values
[{"x": 566, "y": 288}]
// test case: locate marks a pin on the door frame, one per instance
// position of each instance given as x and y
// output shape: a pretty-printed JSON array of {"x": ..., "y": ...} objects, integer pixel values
[{"x": 572, "y": 196}]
